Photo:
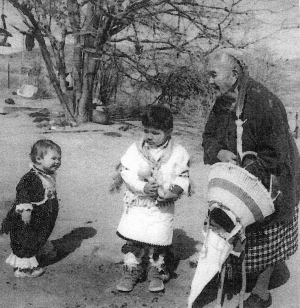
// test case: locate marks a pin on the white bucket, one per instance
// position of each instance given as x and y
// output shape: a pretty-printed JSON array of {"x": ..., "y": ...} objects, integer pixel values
[{"x": 27, "y": 91}]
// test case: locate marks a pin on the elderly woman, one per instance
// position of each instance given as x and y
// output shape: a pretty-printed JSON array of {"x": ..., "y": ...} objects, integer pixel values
[{"x": 273, "y": 153}]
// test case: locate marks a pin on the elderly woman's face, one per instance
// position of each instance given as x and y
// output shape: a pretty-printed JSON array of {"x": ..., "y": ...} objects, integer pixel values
[{"x": 221, "y": 77}]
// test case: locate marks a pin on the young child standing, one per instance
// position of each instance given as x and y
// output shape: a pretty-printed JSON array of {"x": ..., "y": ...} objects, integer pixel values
[
  {"x": 31, "y": 219},
  {"x": 156, "y": 173}
]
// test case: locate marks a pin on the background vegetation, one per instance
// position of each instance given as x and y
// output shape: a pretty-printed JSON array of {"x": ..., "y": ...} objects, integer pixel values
[
  {"x": 183, "y": 88},
  {"x": 126, "y": 53}
]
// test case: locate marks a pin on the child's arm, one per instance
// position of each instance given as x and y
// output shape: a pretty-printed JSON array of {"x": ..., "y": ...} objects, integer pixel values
[
  {"x": 23, "y": 204},
  {"x": 129, "y": 171},
  {"x": 132, "y": 180},
  {"x": 181, "y": 183}
]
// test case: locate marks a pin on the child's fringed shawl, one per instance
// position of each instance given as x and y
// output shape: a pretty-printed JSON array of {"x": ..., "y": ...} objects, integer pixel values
[
  {"x": 117, "y": 180},
  {"x": 144, "y": 151},
  {"x": 145, "y": 219}
]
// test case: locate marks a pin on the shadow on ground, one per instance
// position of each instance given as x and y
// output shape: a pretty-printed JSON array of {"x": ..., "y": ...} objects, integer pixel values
[
  {"x": 5, "y": 207},
  {"x": 182, "y": 248},
  {"x": 68, "y": 244}
]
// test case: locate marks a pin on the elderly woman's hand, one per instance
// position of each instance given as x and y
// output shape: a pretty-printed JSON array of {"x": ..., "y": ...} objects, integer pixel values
[{"x": 226, "y": 156}]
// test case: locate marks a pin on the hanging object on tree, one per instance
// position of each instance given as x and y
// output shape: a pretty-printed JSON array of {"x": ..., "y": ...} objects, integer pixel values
[
  {"x": 138, "y": 48},
  {"x": 4, "y": 34},
  {"x": 29, "y": 41}
]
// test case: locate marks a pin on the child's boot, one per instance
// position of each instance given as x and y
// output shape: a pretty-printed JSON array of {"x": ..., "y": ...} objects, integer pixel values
[
  {"x": 133, "y": 272},
  {"x": 157, "y": 274}
]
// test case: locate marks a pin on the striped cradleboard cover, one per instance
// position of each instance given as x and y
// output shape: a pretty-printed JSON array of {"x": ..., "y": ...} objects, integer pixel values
[{"x": 239, "y": 191}]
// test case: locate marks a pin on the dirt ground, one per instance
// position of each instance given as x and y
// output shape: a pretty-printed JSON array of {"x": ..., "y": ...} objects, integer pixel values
[{"x": 88, "y": 264}]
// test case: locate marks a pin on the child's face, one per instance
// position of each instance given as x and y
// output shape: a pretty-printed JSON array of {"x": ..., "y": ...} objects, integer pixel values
[
  {"x": 155, "y": 137},
  {"x": 50, "y": 162}
]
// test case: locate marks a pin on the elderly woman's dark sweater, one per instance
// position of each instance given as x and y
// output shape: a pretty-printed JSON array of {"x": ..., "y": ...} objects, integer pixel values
[{"x": 266, "y": 132}]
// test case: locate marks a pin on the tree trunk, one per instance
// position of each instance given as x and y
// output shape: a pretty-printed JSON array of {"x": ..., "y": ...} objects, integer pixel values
[
  {"x": 84, "y": 108},
  {"x": 63, "y": 98}
]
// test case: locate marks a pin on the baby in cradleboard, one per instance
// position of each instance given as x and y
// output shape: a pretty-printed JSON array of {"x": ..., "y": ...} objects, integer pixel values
[
  {"x": 155, "y": 171},
  {"x": 32, "y": 217}
]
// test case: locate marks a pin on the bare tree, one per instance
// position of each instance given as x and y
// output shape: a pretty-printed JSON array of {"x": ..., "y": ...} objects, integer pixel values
[{"x": 144, "y": 34}]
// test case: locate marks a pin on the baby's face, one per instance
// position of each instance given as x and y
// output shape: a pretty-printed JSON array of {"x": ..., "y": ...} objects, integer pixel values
[
  {"x": 155, "y": 137},
  {"x": 50, "y": 162},
  {"x": 216, "y": 227}
]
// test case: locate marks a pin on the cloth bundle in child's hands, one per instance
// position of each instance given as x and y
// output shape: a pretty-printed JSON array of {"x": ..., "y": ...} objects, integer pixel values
[
  {"x": 172, "y": 194},
  {"x": 146, "y": 174}
]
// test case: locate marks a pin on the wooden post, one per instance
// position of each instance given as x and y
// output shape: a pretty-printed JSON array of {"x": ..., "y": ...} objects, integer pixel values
[
  {"x": 8, "y": 75},
  {"x": 243, "y": 289},
  {"x": 219, "y": 301},
  {"x": 296, "y": 126}
]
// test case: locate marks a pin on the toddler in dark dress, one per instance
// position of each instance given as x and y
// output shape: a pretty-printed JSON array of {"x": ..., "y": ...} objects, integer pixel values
[{"x": 32, "y": 217}]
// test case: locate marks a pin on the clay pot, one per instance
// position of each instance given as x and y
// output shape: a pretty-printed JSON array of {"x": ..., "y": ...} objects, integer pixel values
[{"x": 100, "y": 117}]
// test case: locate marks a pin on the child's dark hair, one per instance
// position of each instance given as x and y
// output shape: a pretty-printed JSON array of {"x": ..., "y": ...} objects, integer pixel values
[
  {"x": 40, "y": 148},
  {"x": 158, "y": 117}
]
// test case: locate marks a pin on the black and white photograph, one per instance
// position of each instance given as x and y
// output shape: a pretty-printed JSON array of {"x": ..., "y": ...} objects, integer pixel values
[{"x": 150, "y": 153}]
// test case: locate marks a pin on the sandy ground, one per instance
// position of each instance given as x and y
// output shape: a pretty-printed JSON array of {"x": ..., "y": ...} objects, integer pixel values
[{"x": 88, "y": 265}]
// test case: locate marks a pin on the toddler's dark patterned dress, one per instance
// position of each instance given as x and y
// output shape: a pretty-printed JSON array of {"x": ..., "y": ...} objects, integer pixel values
[{"x": 36, "y": 192}]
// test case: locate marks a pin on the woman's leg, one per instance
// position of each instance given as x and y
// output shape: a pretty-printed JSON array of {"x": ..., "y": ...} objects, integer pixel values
[{"x": 262, "y": 285}]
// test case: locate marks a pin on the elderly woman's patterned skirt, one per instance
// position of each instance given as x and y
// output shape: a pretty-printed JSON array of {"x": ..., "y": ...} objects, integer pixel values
[{"x": 271, "y": 245}]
